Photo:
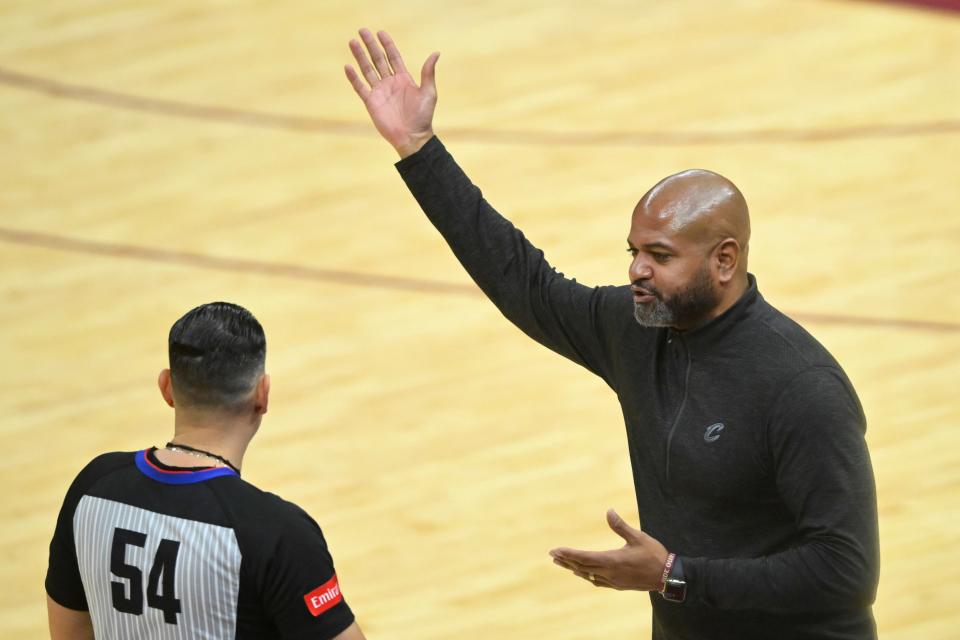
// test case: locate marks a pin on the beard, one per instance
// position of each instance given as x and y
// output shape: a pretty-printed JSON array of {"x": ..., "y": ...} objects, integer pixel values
[{"x": 685, "y": 309}]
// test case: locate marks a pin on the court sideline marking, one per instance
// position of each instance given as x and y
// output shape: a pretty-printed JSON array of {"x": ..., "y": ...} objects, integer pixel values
[
  {"x": 269, "y": 120},
  {"x": 354, "y": 278}
]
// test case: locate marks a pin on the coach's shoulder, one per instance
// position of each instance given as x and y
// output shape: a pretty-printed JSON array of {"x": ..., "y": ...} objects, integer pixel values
[{"x": 781, "y": 337}]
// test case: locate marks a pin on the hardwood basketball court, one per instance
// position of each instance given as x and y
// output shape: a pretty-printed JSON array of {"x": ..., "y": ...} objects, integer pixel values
[{"x": 161, "y": 155}]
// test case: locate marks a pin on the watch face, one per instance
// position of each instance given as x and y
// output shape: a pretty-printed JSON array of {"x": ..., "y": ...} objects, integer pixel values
[{"x": 674, "y": 590}]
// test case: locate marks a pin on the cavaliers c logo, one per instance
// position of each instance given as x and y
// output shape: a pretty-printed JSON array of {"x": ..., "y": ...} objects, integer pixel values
[{"x": 712, "y": 433}]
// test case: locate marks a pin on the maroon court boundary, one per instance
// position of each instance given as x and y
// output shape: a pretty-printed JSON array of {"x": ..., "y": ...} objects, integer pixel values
[
  {"x": 942, "y": 5},
  {"x": 308, "y": 124},
  {"x": 354, "y": 278},
  {"x": 262, "y": 119}
]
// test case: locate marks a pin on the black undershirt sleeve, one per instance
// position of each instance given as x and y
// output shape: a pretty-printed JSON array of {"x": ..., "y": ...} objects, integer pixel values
[
  {"x": 823, "y": 474},
  {"x": 558, "y": 312}
]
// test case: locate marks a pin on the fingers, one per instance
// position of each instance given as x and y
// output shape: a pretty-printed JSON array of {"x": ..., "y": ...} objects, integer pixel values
[
  {"x": 621, "y": 528},
  {"x": 362, "y": 90},
  {"x": 376, "y": 53},
  {"x": 560, "y": 562},
  {"x": 584, "y": 560},
  {"x": 373, "y": 79},
  {"x": 596, "y": 579},
  {"x": 428, "y": 74},
  {"x": 393, "y": 54},
  {"x": 388, "y": 64}
]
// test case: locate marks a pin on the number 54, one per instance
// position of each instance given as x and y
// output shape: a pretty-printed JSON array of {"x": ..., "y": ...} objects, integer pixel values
[{"x": 164, "y": 568}]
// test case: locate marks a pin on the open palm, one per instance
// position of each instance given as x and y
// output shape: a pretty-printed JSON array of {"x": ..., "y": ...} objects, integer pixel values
[{"x": 401, "y": 111}]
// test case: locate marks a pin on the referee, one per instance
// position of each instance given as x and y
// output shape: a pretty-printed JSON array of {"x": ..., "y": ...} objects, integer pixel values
[{"x": 172, "y": 543}]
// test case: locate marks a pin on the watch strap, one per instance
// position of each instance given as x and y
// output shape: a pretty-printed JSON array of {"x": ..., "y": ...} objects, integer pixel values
[{"x": 675, "y": 584}]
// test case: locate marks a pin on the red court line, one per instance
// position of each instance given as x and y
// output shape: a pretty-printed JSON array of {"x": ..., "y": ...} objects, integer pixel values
[
  {"x": 233, "y": 265},
  {"x": 306, "y": 124},
  {"x": 944, "y": 5},
  {"x": 352, "y": 278}
]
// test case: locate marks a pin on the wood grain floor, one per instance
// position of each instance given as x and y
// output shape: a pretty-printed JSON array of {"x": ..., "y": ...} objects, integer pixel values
[{"x": 160, "y": 155}]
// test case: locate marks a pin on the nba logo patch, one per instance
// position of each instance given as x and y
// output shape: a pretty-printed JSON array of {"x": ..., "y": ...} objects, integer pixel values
[{"x": 324, "y": 597}]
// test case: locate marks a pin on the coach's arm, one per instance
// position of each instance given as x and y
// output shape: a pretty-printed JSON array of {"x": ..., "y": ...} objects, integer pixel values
[
  {"x": 824, "y": 476},
  {"x": 554, "y": 310}
]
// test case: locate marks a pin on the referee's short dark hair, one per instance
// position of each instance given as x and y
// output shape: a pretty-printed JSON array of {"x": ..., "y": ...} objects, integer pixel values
[{"x": 217, "y": 355}]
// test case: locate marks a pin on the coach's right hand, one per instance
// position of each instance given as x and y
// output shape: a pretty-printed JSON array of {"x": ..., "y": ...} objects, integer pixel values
[{"x": 401, "y": 111}]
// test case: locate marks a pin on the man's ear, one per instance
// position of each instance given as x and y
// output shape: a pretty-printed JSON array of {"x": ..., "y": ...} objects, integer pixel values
[
  {"x": 262, "y": 395},
  {"x": 727, "y": 259},
  {"x": 165, "y": 382}
]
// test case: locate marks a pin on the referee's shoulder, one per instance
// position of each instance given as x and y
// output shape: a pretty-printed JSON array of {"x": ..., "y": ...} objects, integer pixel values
[
  {"x": 104, "y": 464},
  {"x": 96, "y": 470},
  {"x": 249, "y": 501}
]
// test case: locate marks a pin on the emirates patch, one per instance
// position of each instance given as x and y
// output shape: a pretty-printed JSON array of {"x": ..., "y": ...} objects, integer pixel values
[{"x": 324, "y": 597}]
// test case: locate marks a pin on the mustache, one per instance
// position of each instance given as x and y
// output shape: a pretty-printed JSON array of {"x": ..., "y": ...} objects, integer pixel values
[{"x": 647, "y": 288}]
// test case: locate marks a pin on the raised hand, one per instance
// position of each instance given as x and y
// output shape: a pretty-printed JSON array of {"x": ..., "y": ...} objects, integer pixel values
[
  {"x": 401, "y": 110},
  {"x": 637, "y": 565}
]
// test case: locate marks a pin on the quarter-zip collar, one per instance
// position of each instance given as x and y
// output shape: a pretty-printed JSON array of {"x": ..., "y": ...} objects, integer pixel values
[{"x": 704, "y": 337}]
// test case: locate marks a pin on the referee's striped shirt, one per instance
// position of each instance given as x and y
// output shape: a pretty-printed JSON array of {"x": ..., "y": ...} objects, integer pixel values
[{"x": 154, "y": 551}]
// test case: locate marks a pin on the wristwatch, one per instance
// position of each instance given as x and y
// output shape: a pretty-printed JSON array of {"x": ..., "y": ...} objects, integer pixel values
[{"x": 674, "y": 585}]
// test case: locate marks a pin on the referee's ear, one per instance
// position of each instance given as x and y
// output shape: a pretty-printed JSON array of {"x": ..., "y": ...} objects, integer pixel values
[
  {"x": 165, "y": 382},
  {"x": 262, "y": 398}
]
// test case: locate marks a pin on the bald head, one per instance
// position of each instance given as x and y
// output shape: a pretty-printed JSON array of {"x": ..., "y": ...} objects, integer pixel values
[
  {"x": 699, "y": 205},
  {"x": 688, "y": 238}
]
